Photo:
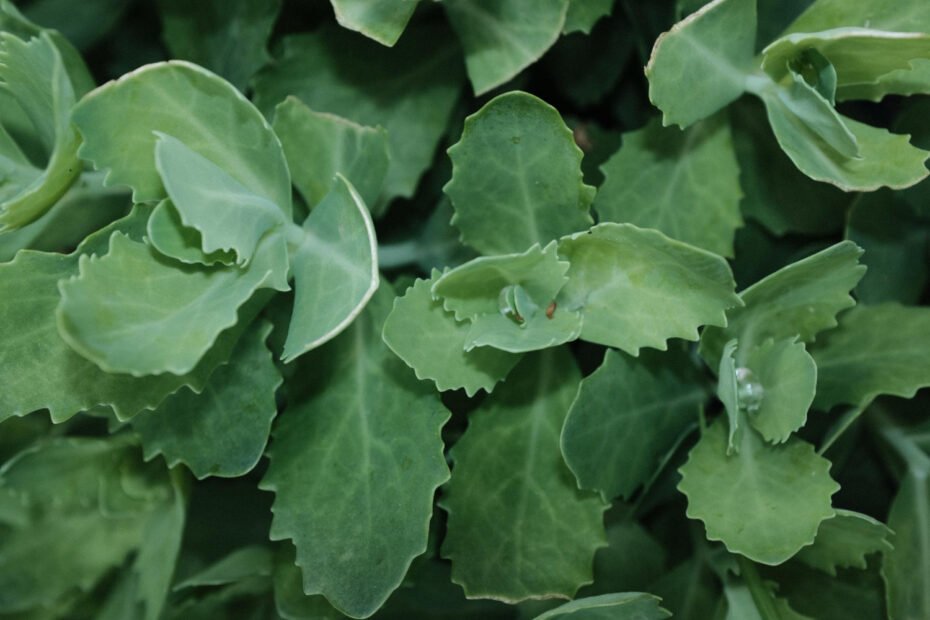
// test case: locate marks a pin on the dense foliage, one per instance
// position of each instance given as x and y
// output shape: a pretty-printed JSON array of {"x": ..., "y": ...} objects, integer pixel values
[{"x": 464, "y": 309}]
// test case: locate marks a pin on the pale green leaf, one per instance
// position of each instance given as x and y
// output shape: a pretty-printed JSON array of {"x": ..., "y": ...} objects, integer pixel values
[
  {"x": 510, "y": 300},
  {"x": 728, "y": 393},
  {"x": 906, "y": 570},
  {"x": 625, "y": 606},
  {"x": 503, "y": 37},
  {"x": 750, "y": 598},
  {"x": 886, "y": 159},
  {"x": 375, "y": 431},
  {"x": 45, "y": 373},
  {"x": 242, "y": 563},
  {"x": 516, "y": 177},
  {"x": 583, "y": 14},
  {"x": 777, "y": 387},
  {"x": 876, "y": 350},
  {"x": 890, "y": 15},
  {"x": 320, "y": 145},
  {"x": 167, "y": 233},
  {"x": 800, "y": 300},
  {"x": 511, "y": 497},
  {"x": 222, "y": 431},
  {"x": 382, "y": 20},
  {"x": 684, "y": 183},
  {"x": 410, "y": 89},
  {"x": 701, "y": 64},
  {"x": 34, "y": 73},
  {"x": 428, "y": 338},
  {"x": 135, "y": 313},
  {"x": 913, "y": 81},
  {"x": 290, "y": 601},
  {"x": 626, "y": 417},
  {"x": 227, "y": 37},
  {"x": 638, "y": 288},
  {"x": 179, "y": 99},
  {"x": 765, "y": 502},
  {"x": 860, "y": 56},
  {"x": 228, "y": 216},
  {"x": 335, "y": 268},
  {"x": 844, "y": 541}
]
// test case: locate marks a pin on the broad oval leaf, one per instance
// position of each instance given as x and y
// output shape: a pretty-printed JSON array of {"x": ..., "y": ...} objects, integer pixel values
[
  {"x": 637, "y": 288},
  {"x": 512, "y": 497},
  {"x": 433, "y": 343},
  {"x": 503, "y": 37},
  {"x": 701, "y": 64},
  {"x": 626, "y": 417},
  {"x": 376, "y": 432},
  {"x": 335, "y": 267},
  {"x": 180, "y": 99},
  {"x": 779, "y": 381},
  {"x": 516, "y": 177},
  {"x": 765, "y": 502}
]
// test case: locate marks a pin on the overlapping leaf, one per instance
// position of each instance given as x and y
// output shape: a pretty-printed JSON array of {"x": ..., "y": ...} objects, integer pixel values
[{"x": 845, "y": 541}]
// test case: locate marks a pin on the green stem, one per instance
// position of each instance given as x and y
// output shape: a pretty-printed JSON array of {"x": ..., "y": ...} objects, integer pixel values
[
  {"x": 761, "y": 595},
  {"x": 393, "y": 255},
  {"x": 916, "y": 459}
]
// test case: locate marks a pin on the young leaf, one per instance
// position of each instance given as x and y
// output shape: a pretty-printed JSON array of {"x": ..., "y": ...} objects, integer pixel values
[
  {"x": 701, "y": 64},
  {"x": 625, "y": 606},
  {"x": 432, "y": 342},
  {"x": 167, "y": 325},
  {"x": 409, "y": 90},
  {"x": 376, "y": 432},
  {"x": 168, "y": 234},
  {"x": 228, "y": 37},
  {"x": 45, "y": 373},
  {"x": 34, "y": 73},
  {"x": 638, "y": 288},
  {"x": 904, "y": 16},
  {"x": 511, "y": 496},
  {"x": 503, "y": 37},
  {"x": 684, "y": 183},
  {"x": 180, "y": 99},
  {"x": 335, "y": 269},
  {"x": 221, "y": 431},
  {"x": 382, "y": 21},
  {"x": 800, "y": 300},
  {"x": 876, "y": 350},
  {"x": 516, "y": 177},
  {"x": 626, "y": 417},
  {"x": 845, "y": 541},
  {"x": 510, "y": 300},
  {"x": 229, "y": 217},
  {"x": 777, "y": 388},
  {"x": 728, "y": 386},
  {"x": 765, "y": 502},
  {"x": 333, "y": 145}
]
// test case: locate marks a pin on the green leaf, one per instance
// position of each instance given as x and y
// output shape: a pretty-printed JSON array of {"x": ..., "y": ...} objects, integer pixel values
[
  {"x": 376, "y": 432},
  {"x": 229, "y": 217},
  {"x": 728, "y": 392},
  {"x": 382, "y": 21},
  {"x": 906, "y": 570},
  {"x": 290, "y": 601},
  {"x": 335, "y": 269},
  {"x": 410, "y": 89},
  {"x": 638, "y": 288},
  {"x": 684, "y": 183},
  {"x": 701, "y": 64},
  {"x": 800, "y": 300},
  {"x": 626, "y": 417},
  {"x": 625, "y": 606},
  {"x": 876, "y": 350},
  {"x": 913, "y": 81},
  {"x": 510, "y": 300},
  {"x": 34, "y": 73},
  {"x": 242, "y": 563},
  {"x": 503, "y": 37},
  {"x": 777, "y": 387},
  {"x": 180, "y": 99},
  {"x": 844, "y": 541},
  {"x": 511, "y": 496},
  {"x": 428, "y": 339},
  {"x": 583, "y": 14},
  {"x": 765, "y": 502},
  {"x": 861, "y": 56},
  {"x": 227, "y": 37},
  {"x": 333, "y": 145},
  {"x": 516, "y": 177},
  {"x": 221, "y": 431},
  {"x": 47, "y": 373},
  {"x": 903, "y": 16},
  {"x": 168, "y": 324},
  {"x": 852, "y": 593},
  {"x": 168, "y": 234}
]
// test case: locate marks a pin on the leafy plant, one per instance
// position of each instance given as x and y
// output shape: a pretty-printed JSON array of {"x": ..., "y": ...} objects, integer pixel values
[{"x": 424, "y": 310}]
